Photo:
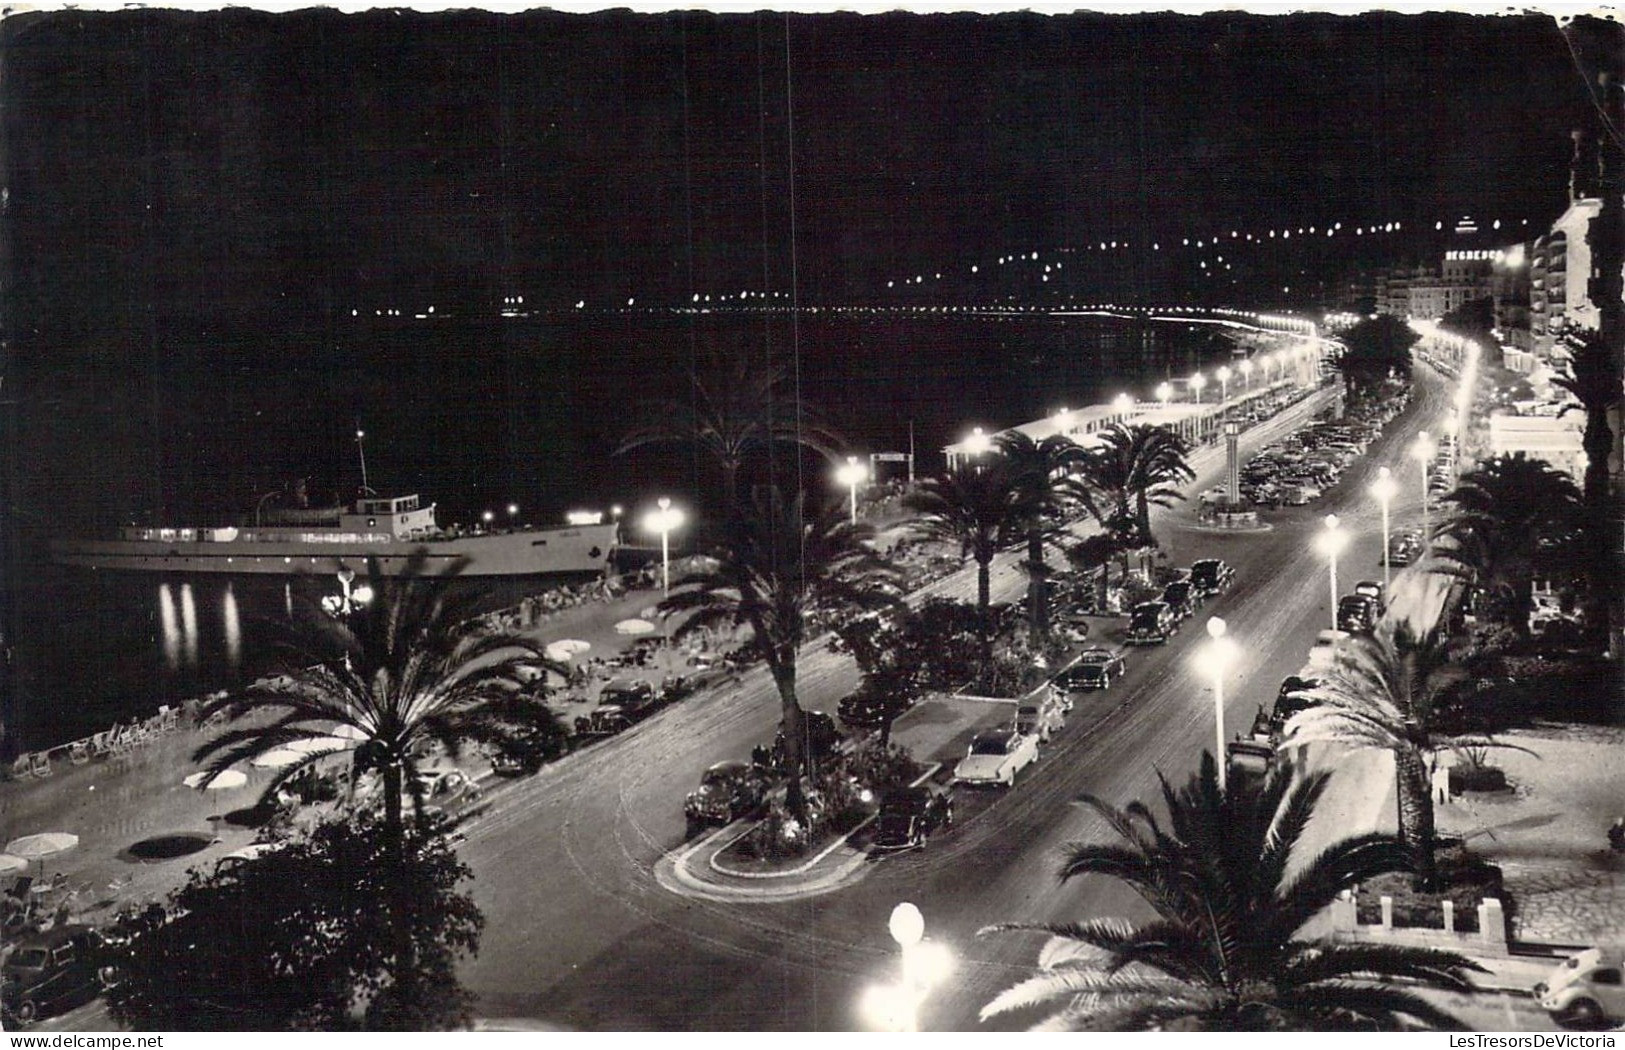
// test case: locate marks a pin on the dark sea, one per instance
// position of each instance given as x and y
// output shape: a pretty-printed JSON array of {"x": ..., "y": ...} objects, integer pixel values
[{"x": 472, "y": 416}]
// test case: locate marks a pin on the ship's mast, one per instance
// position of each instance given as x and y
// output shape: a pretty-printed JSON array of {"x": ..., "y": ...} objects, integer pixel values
[{"x": 361, "y": 451}]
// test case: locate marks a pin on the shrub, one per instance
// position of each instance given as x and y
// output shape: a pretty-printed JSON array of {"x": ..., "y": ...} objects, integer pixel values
[{"x": 1464, "y": 879}]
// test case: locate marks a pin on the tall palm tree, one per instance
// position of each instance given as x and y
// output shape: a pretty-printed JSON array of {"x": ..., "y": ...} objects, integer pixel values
[
  {"x": 401, "y": 671},
  {"x": 736, "y": 411},
  {"x": 1048, "y": 489},
  {"x": 1225, "y": 952},
  {"x": 1143, "y": 462},
  {"x": 980, "y": 507},
  {"x": 1379, "y": 693},
  {"x": 782, "y": 562},
  {"x": 1511, "y": 520},
  {"x": 1595, "y": 381},
  {"x": 1593, "y": 377}
]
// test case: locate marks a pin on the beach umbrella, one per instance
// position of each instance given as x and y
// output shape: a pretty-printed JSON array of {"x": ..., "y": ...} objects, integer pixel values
[
  {"x": 634, "y": 627},
  {"x": 278, "y": 758},
  {"x": 231, "y": 778},
  {"x": 10, "y": 865},
  {"x": 45, "y": 844},
  {"x": 566, "y": 648}
]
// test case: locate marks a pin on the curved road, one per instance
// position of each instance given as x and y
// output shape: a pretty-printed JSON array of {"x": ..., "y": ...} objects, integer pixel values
[{"x": 580, "y": 934}]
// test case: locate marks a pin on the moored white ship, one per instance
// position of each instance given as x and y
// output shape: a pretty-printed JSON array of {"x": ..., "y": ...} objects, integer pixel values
[{"x": 326, "y": 539}]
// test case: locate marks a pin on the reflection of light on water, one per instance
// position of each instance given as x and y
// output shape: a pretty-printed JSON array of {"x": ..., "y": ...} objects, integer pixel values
[
  {"x": 172, "y": 634},
  {"x": 287, "y": 599},
  {"x": 189, "y": 625},
  {"x": 233, "y": 628}
]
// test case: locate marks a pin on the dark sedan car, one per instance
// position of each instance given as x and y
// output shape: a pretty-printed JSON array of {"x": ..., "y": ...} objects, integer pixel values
[
  {"x": 910, "y": 815},
  {"x": 1357, "y": 613},
  {"x": 50, "y": 971},
  {"x": 1181, "y": 598},
  {"x": 727, "y": 791},
  {"x": 1210, "y": 576}
]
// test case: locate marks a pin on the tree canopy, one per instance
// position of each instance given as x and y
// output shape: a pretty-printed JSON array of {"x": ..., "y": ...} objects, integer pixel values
[
  {"x": 1375, "y": 347},
  {"x": 301, "y": 938}
]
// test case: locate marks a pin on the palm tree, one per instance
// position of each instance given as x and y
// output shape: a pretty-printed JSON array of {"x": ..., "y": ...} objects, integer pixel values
[
  {"x": 781, "y": 563},
  {"x": 1144, "y": 462},
  {"x": 980, "y": 507},
  {"x": 401, "y": 671},
  {"x": 1379, "y": 693},
  {"x": 1224, "y": 952},
  {"x": 1045, "y": 472},
  {"x": 1594, "y": 380},
  {"x": 1511, "y": 520},
  {"x": 732, "y": 414}
]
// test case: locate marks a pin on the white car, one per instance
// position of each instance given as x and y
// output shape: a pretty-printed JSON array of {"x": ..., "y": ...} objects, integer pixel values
[
  {"x": 996, "y": 756},
  {"x": 1324, "y": 652}
]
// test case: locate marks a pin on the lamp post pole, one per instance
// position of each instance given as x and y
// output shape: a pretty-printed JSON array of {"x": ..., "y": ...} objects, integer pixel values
[
  {"x": 852, "y": 474},
  {"x": 1218, "y": 656},
  {"x": 1384, "y": 488},
  {"x": 1423, "y": 451},
  {"x": 1332, "y": 541}
]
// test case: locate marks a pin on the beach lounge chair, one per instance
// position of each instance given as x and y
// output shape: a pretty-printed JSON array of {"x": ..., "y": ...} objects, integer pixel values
[
  {"x": 169, "y": 718},
  {"x": 22, "y": 767},
  {"x": 101, "y": 744},
  {"x": 79, "y": 752},
  {"x": 40, "y": 764}
]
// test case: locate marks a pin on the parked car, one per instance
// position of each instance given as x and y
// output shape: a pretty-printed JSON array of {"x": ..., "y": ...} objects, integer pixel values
[
  {"x": 50, "y": 971},
  {"x": 727, "y": 791},
  {"x": 1095, "y": 669},
  {"x": 603, "y": 720},
  {"x": 238, "y": 858},
  {"x": 1209, "y": 576},
  {"x": 866, "y": 710},
  {"x": 996, "y": 756},
  {"x": 1371, "y": 589},
  {"x": 1585, "y": 990},
  {"x": 819, "y": 735},
  {"x": 1151, "y": 623},
  {"x": 1180, "y": 599},
  {"x": 1356, "y": 613},
  {"x": 448, "y": 793},
  {"x": 1247, "y": 763},
  {"x": 634, "y": 696},
  {"x": 1324, "y": 652},
  {"x": 910, "y": 815},
  {"x": 1040, "y": 717}
]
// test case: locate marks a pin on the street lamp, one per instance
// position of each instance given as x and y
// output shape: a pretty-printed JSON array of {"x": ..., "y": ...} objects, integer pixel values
[
  {"x": 1331, "y": 543},
  {"x": 487, "y": 517},
  {"x": 1385, "y": 488},
  {"x": 977, "y": 442},
  {"x": 896, "y": 1008},
  {"x": 1422, "y": 452},
  {"x": 1198, "y": 381},
  {"x": 852, "y": 474},
  {"x": 1164, "y": 392},
  {"x": 1123, "y": 403},
  {"x": 664, "y": 521},
  {"x": 1246, "y": 367},
  {"x": 1223, "y": 376},
  {"x": 1215, "y": 659}
]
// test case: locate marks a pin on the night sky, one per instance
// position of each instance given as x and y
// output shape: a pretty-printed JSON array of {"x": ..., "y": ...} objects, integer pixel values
[
  {"x": 196, "y": 202},
  {"x": 235, "y": 166}
]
